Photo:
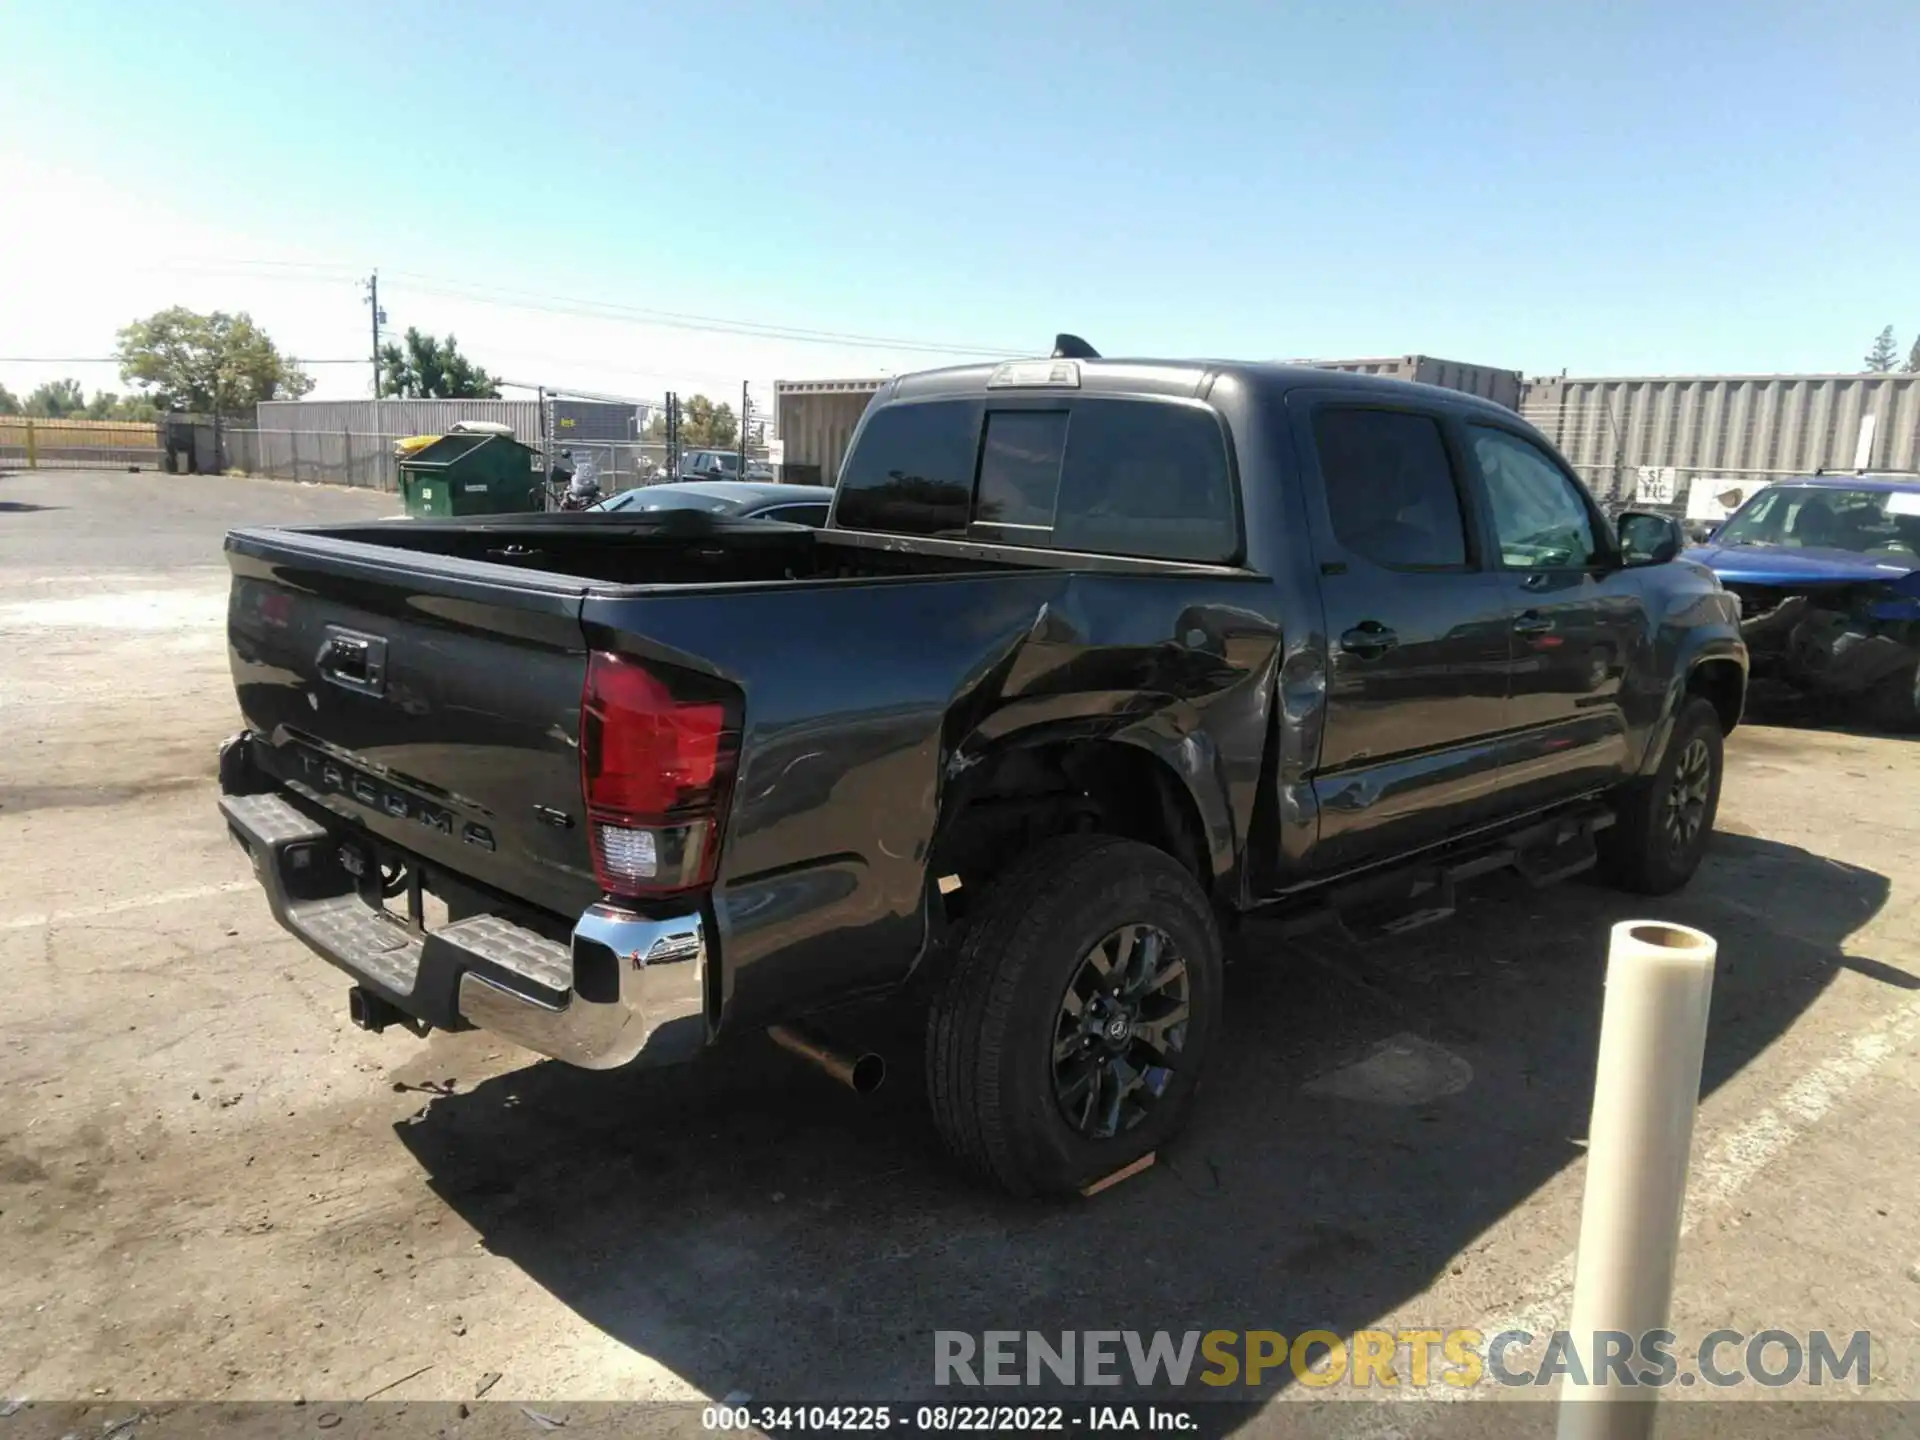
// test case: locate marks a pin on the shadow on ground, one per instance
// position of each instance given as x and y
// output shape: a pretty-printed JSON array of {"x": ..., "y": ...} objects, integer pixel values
[
  {"x": 752, "y": 1227},
  {"x": 1772, "y": 703},
  {"x": 23, "y": 507}
]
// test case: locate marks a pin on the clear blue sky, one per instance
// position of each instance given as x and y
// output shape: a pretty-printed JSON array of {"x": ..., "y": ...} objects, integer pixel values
[{"x": 1611, "y": 188}]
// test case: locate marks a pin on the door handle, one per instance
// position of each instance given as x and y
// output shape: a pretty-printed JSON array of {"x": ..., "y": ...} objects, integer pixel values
[
  {"x": 1532, "y": 623},
  {"x": 1369, "y": 640}
]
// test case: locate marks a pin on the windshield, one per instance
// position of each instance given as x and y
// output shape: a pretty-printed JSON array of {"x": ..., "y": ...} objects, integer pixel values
[{"x": 1810, "y": 517}]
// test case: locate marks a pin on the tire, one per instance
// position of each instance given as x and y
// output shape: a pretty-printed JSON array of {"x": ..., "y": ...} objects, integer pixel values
[
  {"x": 1894, "y": 704},
  {"x": 1001, "y": 1021},
  {"x": 1664, "y": 823}
]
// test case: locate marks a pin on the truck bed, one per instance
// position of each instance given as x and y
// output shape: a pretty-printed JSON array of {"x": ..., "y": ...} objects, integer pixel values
[
  {"x": 678, "y": 548},
  {"x": 455, "y": 738}
]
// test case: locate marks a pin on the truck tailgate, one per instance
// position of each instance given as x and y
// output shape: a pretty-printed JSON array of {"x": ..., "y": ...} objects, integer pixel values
[{"x": 433, "y": 701}]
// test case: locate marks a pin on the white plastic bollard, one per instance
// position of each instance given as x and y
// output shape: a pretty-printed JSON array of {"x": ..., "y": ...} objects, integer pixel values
[{"x": 1646, "y": 1088}]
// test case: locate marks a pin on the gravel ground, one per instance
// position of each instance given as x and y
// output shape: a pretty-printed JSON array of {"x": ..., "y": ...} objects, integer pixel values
[{"x": 213, "y": 1188}]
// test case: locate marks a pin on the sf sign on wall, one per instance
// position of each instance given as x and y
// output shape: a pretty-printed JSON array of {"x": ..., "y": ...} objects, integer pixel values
[{"x": 1653, "y": 485}]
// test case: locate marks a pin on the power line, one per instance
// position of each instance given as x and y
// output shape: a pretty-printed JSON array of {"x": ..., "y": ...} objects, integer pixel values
[
  {"x": 115, "y": 360},
  {"x": 511, "y": 298},
  {"x": 678, "y": 320}
]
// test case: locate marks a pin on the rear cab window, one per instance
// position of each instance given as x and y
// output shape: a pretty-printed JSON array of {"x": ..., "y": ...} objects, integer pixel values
[{"x": 1102, "y": 475}]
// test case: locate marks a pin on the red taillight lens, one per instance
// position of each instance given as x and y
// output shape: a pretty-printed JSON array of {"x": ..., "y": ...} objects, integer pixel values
[{"x": 656, "y": 764}]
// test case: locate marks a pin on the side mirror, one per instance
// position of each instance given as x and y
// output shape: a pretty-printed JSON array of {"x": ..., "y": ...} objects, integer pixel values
[{"x": 1649, "y": 538}]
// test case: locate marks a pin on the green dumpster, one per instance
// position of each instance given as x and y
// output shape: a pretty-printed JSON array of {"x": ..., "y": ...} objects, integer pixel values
[{"x": 472, "y": 474}]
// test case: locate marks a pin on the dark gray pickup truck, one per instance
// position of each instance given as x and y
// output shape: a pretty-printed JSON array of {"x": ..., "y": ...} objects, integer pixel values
[{"x": 1093, "y": 659}]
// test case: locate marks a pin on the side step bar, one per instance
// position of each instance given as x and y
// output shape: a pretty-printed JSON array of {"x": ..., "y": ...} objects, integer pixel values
[{"x": 1407, "y": 897}]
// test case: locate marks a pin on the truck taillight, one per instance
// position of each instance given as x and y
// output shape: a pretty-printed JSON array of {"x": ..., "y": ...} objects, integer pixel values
[{"x": 657, "y": 758}]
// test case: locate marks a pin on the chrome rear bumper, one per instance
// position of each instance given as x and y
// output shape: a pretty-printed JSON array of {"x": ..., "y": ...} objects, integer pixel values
[
  {"x": 653, "y": 1008},
  {"x": 625, "y": 988}
]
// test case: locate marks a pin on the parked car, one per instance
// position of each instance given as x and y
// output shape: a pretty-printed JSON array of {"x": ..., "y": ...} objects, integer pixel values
[
  {"x": 1827, "y": 572},
  {"x": 1018, "y": 737},
  {"x": 709, "y": 465},
  {"x": 797, "y": 504}
]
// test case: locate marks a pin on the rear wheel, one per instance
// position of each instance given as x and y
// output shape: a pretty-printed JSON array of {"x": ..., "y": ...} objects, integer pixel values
[
  {"x": 1664, "y": 823},
  {"x": 1068, "y": 1039}
]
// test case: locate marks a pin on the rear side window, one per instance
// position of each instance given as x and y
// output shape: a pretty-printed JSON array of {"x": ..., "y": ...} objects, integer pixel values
[
  {"x": 912, "y": 471},
  {"x": 1390, "y": 488}
]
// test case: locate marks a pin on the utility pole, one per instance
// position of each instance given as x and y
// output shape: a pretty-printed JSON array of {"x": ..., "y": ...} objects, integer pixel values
[
  {"x": 745, "y": 401},
  {"x": 673, "y": 436},
  {"x": 379, "y": 317}
]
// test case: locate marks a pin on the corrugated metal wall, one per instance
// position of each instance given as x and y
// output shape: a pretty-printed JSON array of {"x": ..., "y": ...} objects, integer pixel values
[
  {"x": 581, "y": 420},
  {"x": 1727, "y": 424},
  {"x": 398, "y": 417},
  {"x": 1608, "y": 427},
  {"x": 814, "y": 420},
  {"x": 1503, "y": 387}
]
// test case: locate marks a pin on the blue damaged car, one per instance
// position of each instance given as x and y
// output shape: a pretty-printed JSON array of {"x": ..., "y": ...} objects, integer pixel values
[{"x": 1827, "y": 570}]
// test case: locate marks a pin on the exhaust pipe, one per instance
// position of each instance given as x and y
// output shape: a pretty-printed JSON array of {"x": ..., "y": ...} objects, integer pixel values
[{"x": 860, "y": 1071}]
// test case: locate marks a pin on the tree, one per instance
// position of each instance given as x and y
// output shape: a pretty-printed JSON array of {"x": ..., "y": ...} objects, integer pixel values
[
  {"x": 426, "y": 369},
  {"x": 105, "y": 405},
  {"x": 56, "y": 399},
  {"x": 206, "y": 363},
  {"x": 1913, "y": 355},
  {"x": 8, "y": 404},
  {"x": 703, "y": 425},
  {"x": 1883, "y": 354}
]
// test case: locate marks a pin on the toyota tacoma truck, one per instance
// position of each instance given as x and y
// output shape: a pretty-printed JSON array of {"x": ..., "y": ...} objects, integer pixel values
[{"x": 1093, "y": 660}]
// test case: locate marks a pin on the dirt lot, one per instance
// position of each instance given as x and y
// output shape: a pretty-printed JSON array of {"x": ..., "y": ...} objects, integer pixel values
[{"x": 211, "y": 1186}]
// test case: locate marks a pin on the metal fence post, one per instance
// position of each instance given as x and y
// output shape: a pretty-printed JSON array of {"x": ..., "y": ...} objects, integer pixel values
[{"x": 33, "y": 455}]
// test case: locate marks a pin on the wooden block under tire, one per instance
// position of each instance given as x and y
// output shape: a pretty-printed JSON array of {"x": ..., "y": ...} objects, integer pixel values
[{"x": 1125, "y": 1172}]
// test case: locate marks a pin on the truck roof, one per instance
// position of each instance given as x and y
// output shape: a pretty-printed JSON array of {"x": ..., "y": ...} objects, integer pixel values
[{"x": 1122, "y": 376}]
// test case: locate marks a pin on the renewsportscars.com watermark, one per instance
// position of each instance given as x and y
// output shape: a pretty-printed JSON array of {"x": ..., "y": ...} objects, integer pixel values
[{"x": 1398, "y": 1359}]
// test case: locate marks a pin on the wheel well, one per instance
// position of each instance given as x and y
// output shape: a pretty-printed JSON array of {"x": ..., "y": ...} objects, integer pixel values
[
  {"x": 1025, "y": 794},
  {"x": 1722, "y": 683}
]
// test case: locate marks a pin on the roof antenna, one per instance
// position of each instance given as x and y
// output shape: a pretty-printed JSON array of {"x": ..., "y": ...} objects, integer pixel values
[{"x": 1072, "y": 347}]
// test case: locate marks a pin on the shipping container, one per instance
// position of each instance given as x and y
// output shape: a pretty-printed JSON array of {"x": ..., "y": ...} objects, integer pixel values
[
  {"x": 814, "y": 420},
  {"x": 1759, "y": 425},
  {"x": 1503, "y": 387}
]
